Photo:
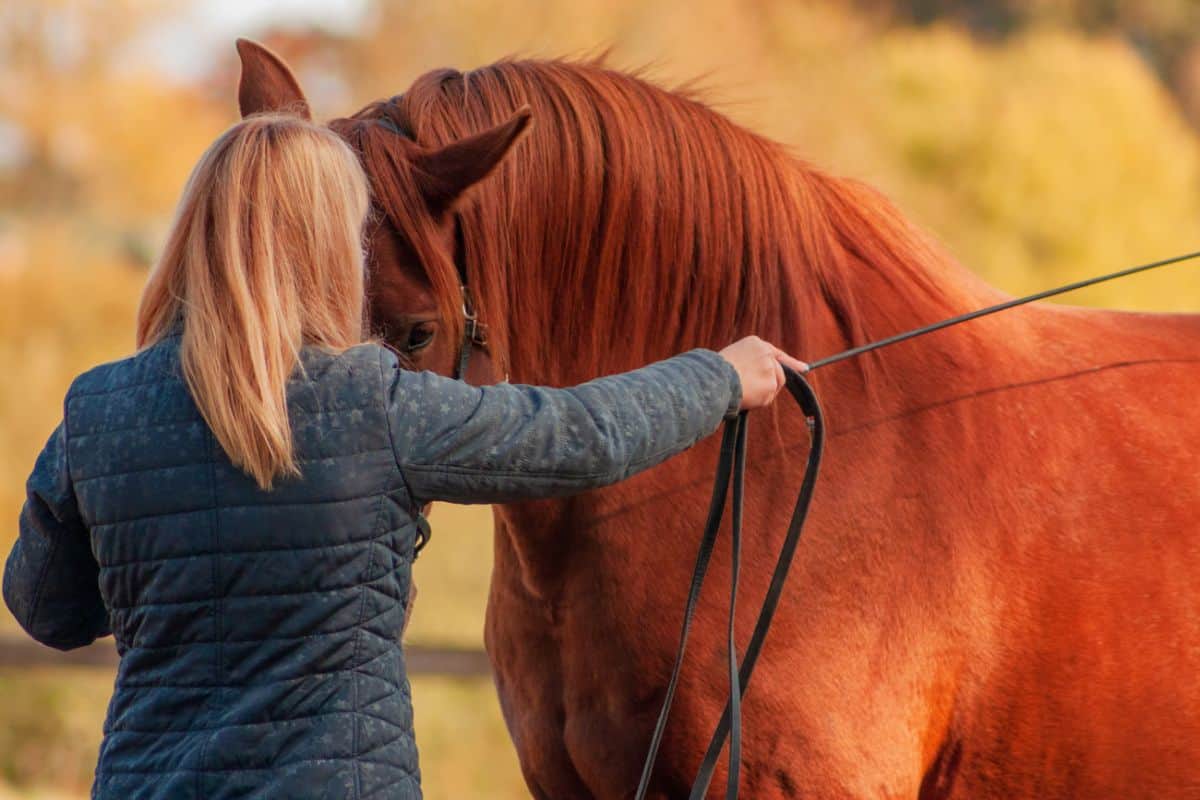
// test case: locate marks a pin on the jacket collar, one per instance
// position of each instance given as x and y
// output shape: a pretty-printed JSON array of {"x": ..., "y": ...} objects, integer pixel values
[{"x": 175, "y": 328}]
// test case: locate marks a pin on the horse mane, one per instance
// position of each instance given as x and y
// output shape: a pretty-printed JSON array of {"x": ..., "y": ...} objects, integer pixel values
[{"x": 634, "y": 222}]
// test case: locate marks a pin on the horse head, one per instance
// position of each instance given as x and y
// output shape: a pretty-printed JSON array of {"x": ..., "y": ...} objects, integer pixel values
[{"x": 419, "y": 292}]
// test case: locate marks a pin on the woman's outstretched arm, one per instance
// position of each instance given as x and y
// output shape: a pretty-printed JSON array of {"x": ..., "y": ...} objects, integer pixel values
[{"x": 489, "y": 444}]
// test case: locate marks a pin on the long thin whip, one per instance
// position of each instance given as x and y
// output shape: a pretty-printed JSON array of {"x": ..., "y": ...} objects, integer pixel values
[{"x": 983, "y": 312}]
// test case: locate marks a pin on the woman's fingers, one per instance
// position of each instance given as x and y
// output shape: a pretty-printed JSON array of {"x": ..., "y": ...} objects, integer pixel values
[
  {"x": 759, "y": 365},
  {"x": 794, "y": 363}
]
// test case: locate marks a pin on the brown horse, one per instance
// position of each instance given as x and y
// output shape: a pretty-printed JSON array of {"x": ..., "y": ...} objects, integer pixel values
[{"x": 997, "y": 594}]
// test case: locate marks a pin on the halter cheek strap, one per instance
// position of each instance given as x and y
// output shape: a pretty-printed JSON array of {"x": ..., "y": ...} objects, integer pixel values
[
  {"x": 474, "y": 331},
  {"x": 389, "y": 124}
]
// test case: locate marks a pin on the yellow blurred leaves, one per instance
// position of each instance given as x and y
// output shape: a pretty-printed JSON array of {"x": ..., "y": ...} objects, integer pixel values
[
  {"x": 144, "y": 139},
  {"x": 1054, "y": 157}
]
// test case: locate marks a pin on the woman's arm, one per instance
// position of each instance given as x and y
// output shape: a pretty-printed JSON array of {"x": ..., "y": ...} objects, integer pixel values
[
  {"x": 491, "y": 444},
  {"x": 50, "y": 580}
]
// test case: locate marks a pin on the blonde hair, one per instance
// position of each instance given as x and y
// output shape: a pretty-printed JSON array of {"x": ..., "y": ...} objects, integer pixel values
[{"x": 265, "y": 255}]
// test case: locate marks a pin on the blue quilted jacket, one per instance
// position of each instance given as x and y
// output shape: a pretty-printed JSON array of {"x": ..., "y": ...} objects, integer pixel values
[{"x": 258, "y": 631}]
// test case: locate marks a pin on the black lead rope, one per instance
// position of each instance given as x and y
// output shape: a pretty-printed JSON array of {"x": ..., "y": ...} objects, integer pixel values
[
  {"x": 731, "y": 470},
  {"x": 716, "y": 510},
  {"x": 735, "y": 540}
]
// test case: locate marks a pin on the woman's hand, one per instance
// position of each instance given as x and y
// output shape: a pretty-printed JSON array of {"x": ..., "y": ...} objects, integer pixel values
[{"x": 758, "y": 365}]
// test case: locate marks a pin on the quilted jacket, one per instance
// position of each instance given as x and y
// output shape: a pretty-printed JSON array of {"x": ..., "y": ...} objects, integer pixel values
[{"x": 258, "y": 630}]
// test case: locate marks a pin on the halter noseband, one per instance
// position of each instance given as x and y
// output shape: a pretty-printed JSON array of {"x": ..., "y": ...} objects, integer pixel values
[{"x": 474, "y": 331}]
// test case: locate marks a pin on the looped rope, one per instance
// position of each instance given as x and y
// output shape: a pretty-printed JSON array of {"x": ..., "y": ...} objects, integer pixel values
[
  {"x": 731, "y": 467},
  {"x": 423, "y": 535}
]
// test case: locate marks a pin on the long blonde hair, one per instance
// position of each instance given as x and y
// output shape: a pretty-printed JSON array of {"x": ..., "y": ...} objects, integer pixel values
[{"x": 265, "y": 255}]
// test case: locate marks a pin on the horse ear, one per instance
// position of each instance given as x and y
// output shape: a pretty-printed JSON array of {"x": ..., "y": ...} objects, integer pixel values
[
  {"x": 267, "y": 84},
  {"x": 449, "y": 171}
]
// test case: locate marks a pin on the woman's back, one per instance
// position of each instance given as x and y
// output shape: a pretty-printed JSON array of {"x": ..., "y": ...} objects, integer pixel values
[{"x": 258, "y": 630}]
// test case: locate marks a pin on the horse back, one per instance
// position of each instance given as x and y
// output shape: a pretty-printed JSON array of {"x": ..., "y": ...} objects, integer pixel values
[{"x": 1089, "y": 667}]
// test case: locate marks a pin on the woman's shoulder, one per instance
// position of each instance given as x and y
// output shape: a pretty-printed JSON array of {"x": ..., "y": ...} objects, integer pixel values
[
  {"x": 366, "y": 360},
  {"x": 351, "y": 378},
  {"x": 157, "y": 363},
  {"x": 358, "y": 370}
]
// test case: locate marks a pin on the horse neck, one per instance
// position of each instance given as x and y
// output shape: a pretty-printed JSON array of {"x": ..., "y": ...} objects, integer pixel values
[
  {"x": 836, "y": 266},
  {"x": 899, "y": 378},
  {"x": 817, "y": 314}
]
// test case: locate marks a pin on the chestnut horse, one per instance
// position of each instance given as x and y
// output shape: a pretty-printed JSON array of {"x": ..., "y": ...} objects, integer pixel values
[{"x": 998, "y": 592}]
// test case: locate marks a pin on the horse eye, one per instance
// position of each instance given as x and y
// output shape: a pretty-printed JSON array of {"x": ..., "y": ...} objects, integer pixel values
[{"x": 420, "y": 336}]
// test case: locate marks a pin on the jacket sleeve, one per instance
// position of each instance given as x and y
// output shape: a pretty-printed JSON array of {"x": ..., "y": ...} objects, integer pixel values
[
  {"x": 51, "y": 578},
  {"x": 494, "y": 444}
]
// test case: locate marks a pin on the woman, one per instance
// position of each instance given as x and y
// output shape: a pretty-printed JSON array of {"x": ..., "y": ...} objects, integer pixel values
[{"x": 236, "y": 503}]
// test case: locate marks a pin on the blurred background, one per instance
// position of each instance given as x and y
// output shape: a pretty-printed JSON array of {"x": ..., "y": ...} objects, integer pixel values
[{"x": 1042, "y": 140}]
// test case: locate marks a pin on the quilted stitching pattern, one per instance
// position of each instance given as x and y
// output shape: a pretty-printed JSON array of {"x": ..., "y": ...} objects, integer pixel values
[{"x": 258, "y": 631}]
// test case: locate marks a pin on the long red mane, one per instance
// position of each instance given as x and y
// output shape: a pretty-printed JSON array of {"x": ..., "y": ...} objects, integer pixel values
[{"x": 634, "y": 222}]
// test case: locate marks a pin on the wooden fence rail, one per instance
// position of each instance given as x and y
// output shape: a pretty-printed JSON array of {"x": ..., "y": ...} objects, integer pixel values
[{"x": 19, "y": 652}]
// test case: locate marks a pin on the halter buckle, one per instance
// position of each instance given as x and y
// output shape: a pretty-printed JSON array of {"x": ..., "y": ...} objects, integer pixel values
[{"x": 473, "y": 330}]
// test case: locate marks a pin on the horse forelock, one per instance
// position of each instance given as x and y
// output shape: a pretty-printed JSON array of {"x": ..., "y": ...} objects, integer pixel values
[
  {"x": 634, "y": 222},
  {"x": 397, "y": 202}
]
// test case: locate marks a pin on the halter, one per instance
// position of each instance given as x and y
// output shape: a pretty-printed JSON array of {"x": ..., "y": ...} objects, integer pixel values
[{"x": 474, "y": 331}]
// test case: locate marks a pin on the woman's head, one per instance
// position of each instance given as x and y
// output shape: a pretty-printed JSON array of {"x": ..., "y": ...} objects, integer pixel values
[{"x": 264, "y": 256}]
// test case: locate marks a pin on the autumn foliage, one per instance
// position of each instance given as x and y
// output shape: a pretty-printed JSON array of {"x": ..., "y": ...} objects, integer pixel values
[{"x": 1041, "y": 147}]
